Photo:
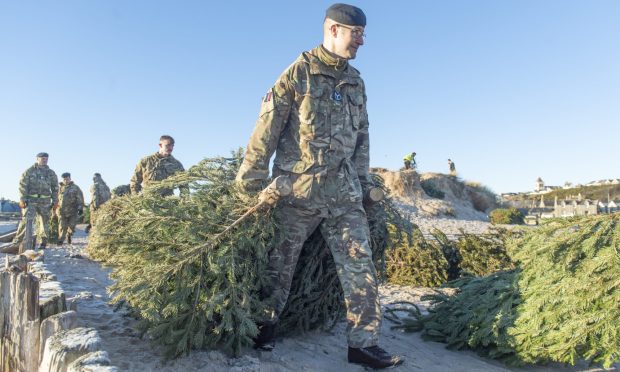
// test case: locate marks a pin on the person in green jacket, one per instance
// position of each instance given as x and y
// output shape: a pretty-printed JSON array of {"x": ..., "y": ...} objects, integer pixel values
[{"x": 409, "y": 161}]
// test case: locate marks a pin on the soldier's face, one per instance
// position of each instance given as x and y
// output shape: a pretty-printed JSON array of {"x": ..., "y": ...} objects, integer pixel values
[
  {"x": 66, "y": 180},
  {"x": 166, "y": 147},
  {"x": 348, "y": 40},
  {"x": 42, "y": 161}
]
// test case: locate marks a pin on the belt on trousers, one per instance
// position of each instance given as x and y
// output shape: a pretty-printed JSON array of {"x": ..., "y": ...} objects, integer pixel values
[{"x": 39, "y": 196}]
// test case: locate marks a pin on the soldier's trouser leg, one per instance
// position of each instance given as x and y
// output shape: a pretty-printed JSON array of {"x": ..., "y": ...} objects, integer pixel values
[
  {"x": 63, "y": 225},
  {"x": 43, "y": 217},
  {"x": 297, "y": 225},
  {"x": 71, "y": 222},
  {"x": 92, "y": 217},
  {"x": 348, "y": 237},
  {"x": 28, "y": 212},
  {"x": 407, "y": 164}
]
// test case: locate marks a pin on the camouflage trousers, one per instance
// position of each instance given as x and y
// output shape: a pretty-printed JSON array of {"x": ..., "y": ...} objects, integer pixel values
[
  {"x": 66, "y": 225},
  {"x": 348, "y": 239},
  {"x": 41, "y": 211},
  {"x": 92, "y": 210}
]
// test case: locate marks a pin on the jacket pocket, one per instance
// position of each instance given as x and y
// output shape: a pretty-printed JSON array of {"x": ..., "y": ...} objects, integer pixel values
[
  {"x": 352, "y": 188},
  {"x": 356, "y": 100},
  {"x": 309, "y": 106}
]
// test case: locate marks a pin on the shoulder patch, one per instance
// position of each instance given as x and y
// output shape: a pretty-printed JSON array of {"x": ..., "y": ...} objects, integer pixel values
[{"x": 267, "y": 103}]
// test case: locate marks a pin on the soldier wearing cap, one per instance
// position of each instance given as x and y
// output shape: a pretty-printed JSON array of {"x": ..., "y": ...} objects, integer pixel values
[
  {"x": 38, "y": 190},
  {"x": 71, "y": 204},
  {"x": 314, "y": 118},
  {"x": 157, "y": 167},
  {"x": 99, "y": 194}
]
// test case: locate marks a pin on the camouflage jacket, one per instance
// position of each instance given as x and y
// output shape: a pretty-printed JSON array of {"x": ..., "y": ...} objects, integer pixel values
[
  {"x": 120, "y": 191},
  {"x": 315, "y": 120},
  {"x": 70, "y": 199},
  {"x": 99, "y": 193},
  {"x": 154, "y": 168},
  {"x": 39, "y": 183}
]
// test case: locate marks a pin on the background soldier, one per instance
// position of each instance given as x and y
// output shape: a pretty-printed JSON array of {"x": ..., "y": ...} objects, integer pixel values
[
  {"x": 409, "y": 161},
  {"x": 315, "y": 120},
  {"x": 452, "y": 167},
  {"x": 157, "y": 167},
  {"x": 99, "y": 194},
  {"x": 38, "y": 189},
  {"x": 71, "y": 204},
  {"x": 120, "y": 191}
]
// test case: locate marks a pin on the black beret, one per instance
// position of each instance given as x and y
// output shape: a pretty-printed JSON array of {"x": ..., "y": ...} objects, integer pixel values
[
  {"x": 346, "y": 14},
  {"x": 65, "y": 175},
  {"x": 42, "y": 155}
]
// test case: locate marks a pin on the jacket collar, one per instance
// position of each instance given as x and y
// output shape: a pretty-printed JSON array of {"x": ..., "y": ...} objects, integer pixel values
[{"x": 349, "y": 74}]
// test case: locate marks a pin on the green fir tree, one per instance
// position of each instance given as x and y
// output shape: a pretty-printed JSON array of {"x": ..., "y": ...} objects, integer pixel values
[{"x": 559, "y": 305}]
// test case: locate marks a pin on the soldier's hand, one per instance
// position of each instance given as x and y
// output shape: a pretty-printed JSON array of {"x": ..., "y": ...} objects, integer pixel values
[
  {"x": 22, "y": 204},
  {"x": 268, "y": 198}
]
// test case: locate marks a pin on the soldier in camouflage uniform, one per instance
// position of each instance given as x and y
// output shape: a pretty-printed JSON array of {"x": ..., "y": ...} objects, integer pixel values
[
  {"x": 157, "y": 167},
  {"x": 314, "y": 119},
  {"x": 99, "y": 194},
  {"x": 70, "y": 207},
  {"x": 38, "y": 189}
]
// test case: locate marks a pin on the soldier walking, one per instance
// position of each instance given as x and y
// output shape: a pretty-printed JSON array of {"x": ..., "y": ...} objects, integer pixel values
[
  {"x": 38, "y": 189},
  {"x": 451, "y": 167},
  {"x": 314, "y": 118},
  {"x": 71, "y": 204},
  {"x": 99, "y": 194},
  {"x": 157, "y": 167}
]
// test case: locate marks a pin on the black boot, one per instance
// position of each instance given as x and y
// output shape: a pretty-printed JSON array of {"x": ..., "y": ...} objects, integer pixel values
[
  {"x": 265, "y": 340},
  {"x": 373, "y": 357},
  {"x": 69, "y": 239},
  {"x": 43, "y": 243}
]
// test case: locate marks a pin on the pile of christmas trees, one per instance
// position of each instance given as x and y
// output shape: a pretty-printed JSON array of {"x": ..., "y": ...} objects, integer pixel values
[
  {"x": 431, "y": 262},
  {"x": 194, "y": 288},
  {"x": 561, "y": 304}
]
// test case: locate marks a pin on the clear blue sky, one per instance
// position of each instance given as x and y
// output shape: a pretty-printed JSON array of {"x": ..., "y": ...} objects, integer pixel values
[{"x": 510, "y": 90}]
